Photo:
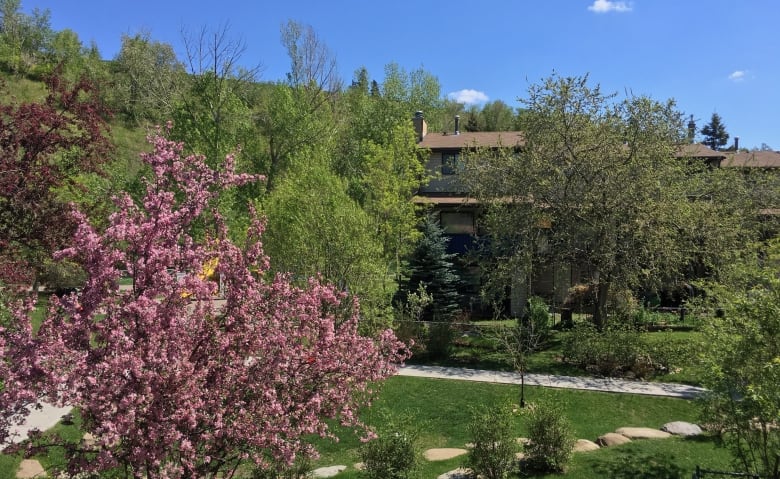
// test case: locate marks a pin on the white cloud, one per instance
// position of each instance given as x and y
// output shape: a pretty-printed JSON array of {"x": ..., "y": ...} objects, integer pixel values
[
  {"x": 606, "y": 6},
  {"x": 737, "y": 75},
  {"x": 468, "y": 97}
]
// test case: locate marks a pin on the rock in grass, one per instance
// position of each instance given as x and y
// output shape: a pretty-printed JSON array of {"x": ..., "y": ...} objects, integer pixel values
[
  {"x": 583, "y": 445},
  {"x": 328, "y": 471},
  {"x": 682, "y": 428},
  {"x": 459, "y": 473},
  {"x": 642, "y": 433},
  {"x": 442, "y": 454},
  {"x": 612, "y": 439}
]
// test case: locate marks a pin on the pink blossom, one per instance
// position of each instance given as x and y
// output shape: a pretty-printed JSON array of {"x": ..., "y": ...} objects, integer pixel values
[{"x": 170, "y": 384}]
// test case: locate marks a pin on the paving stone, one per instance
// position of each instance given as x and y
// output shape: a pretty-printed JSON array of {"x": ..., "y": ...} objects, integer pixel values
[
  {"x": 328, "y": 471},
  {"x": 682, "y": 428},
  {"x": 612, "y": 439},
  {"x": 442, "y": 454},
  {"x": 642, "y": 433},
  {"x": 29, "y": 469}
]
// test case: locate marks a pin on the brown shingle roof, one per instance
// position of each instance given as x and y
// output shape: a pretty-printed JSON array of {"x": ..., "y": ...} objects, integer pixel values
[
  {"x": 469, "y": 139},
  {"x": 753, "y": 159},
  {"x": 697, "y": 150}
]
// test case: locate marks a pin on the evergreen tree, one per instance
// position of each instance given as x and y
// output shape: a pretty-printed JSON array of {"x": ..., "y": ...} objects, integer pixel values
[
  {"x": 715, "y": 135},
  {"x": 431, "y": 266}
]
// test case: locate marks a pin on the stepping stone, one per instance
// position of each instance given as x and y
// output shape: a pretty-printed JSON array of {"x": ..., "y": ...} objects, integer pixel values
[
  {"x": 612, "y": 439},
  {"x": 442, "y": 454},
  {"x": 682, "y": 428},
  {"x": 329, "y": 471},
  {"x": 88, "y": 440},
  {"x": 642, "y": 433},
  {"x": 583, "y": 445},
  {"x": 29, "y": 469},
  {"x": 523, "y": 441},
  {"x": 459, "y": 473}
]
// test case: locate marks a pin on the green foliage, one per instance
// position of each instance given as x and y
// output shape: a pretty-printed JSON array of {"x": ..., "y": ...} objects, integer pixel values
[
  {"x": 743, "y": 361},
  {"x": 148, "y": 80},
  {"x": 24, "y": 38},
  {"x": 417, "y": 90},
  {"x": 301, "y": 468},
  {"x": 715, "y": 135},
  {"x": 62, "y": 276},
  {"x": 622, "y": 350},
  {"x": 537, "y": 321},
  {"x": 408, "y": 327},
  {"x": 393, "y": 454},
  {"x": 626, "y": 237},
  {"x": 431, "y": 266},
  {"x": 438, "y": 342},
  {"x": 492, "y": 455},
  {"x": 315, "y": 228},
  {"x": 550, "y": 434}
]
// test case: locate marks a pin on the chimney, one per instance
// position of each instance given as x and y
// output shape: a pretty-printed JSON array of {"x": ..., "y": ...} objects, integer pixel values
[
  {"x": 736, "y": 143},
  {"x": 420, "y": 127},
  {"x": 457, "y": 124},
  {"x": 691, "y": 130}
]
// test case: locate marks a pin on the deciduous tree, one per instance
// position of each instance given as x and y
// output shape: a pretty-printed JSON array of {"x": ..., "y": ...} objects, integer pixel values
[
  {"x": 595, "y": 185},
  {"x": 171, "y": 384},
  {"x": 743, "y": 361},
  {"x": 43, "y": 146}
]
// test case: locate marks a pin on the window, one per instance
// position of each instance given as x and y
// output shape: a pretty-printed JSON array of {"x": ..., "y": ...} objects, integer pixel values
[
  {"x": 456, "y": 222},
  {"x": 449, "y": 163}
]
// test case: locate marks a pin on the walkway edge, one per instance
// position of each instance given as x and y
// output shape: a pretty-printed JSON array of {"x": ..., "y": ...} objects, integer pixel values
[{"x": 621, "y": 386}]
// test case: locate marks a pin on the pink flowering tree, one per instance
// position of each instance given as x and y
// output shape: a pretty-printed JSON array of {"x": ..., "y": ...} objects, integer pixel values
[{"x": 172, "y": 382}]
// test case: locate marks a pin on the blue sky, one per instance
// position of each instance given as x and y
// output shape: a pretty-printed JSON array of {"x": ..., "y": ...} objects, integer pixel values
[{"x": 710, "y": 55}]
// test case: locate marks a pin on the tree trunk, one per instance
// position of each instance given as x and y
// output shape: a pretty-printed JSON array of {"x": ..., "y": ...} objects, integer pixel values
[{"x": 600, "y": 309}]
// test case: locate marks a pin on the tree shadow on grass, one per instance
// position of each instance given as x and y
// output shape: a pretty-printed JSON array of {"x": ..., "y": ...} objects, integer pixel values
[{"x": 630, "y": 465}]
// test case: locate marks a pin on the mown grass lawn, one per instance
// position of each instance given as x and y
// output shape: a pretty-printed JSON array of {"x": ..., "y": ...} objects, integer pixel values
[{"x": 440, "y": 409}]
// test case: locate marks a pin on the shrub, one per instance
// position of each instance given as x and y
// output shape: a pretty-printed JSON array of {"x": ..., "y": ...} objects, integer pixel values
[
  {"x": 550, "y": 437},
  {"x": 439, "y": 341},
  {"x": 609, "y": 353},
  {"x": 62, "y": 276},
  {"x": 493, "y": 454},
  {"x": 392, "y": 454},
  {"x": 580, "y": 297},
  {"x": 537, "y": 321}
]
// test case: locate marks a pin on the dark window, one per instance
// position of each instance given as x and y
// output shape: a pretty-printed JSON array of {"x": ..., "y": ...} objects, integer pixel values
[{"x": 449, "y": 163}]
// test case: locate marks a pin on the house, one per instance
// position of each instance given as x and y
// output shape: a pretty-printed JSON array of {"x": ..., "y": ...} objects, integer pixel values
[
  {"x": 449, "y": 200},
  {"x": 458, "y": 212}
]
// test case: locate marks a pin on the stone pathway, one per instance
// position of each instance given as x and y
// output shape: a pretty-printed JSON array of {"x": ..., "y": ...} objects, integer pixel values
[{"x": 621, "y": 386}]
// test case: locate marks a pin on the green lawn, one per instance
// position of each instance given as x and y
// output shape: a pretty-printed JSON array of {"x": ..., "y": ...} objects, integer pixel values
[{"x": 441, "y": 408}]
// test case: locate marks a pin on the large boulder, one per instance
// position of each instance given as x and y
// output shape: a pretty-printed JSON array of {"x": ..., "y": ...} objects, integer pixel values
[
  {"x": 682, "y": 428},
  {"x": 642, "y": 433},
  {"x": 612, "y": 439}
]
